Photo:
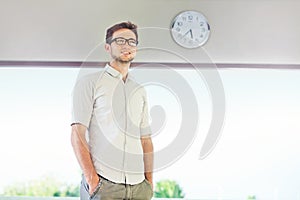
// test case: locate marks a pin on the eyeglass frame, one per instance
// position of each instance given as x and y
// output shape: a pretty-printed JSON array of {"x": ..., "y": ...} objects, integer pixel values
[{"x": 126, "y": 41}]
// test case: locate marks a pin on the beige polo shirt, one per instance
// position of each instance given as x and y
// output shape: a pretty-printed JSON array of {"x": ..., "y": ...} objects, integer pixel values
[{"x": 116, "y": 116}]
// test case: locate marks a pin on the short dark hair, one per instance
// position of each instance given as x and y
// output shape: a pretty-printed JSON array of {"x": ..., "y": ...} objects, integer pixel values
[{"x": 110, "y": 31}]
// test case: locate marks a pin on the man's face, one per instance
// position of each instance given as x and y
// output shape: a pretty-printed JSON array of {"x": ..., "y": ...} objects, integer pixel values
[{"x": 123, "y": 53}]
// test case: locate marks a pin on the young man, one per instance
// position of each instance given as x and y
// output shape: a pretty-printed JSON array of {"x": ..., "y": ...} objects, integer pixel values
[{"x": 117, "y": 158}]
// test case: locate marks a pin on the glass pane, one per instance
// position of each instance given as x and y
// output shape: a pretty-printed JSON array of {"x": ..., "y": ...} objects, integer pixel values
[{"x": 257, "y": 154}]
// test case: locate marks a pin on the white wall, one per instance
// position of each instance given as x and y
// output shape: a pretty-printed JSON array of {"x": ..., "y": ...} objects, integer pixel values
[{"x": 257, "y": 31}]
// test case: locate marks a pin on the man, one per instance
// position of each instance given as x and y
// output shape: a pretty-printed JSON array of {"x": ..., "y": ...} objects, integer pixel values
[{"x": 117, "y": 156}]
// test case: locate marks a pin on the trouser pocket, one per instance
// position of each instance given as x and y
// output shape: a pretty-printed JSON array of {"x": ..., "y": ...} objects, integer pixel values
[
  {"x": 84, "y": 190},
  {"x": 96, "y": 190},
  {"x": 149, "y": 190}
]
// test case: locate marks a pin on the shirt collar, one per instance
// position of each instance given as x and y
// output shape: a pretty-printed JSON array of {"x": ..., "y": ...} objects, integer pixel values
[{"x": 115, "y": 73}]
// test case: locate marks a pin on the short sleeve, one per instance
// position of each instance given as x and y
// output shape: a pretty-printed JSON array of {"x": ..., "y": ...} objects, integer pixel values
[
  {"x": 145, "y": 128},
  {"x": 82, "y": 101}
]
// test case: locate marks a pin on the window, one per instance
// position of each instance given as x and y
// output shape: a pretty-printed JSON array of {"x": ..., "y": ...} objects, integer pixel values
[{"x": 257, "y": 153}]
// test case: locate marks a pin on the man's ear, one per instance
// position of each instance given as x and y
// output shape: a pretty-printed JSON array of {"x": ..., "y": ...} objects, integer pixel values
[{"x": 107, "y": 48}]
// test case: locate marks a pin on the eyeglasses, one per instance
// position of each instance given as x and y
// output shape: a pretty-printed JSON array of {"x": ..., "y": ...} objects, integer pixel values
[{"x": 122, "y": 41}]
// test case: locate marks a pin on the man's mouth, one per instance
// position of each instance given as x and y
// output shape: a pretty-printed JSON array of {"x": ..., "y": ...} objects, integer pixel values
[{"x": 126, "y": 53}]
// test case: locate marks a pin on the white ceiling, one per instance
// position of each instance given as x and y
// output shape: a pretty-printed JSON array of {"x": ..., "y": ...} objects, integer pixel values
[{"x": 257, "y": 31}]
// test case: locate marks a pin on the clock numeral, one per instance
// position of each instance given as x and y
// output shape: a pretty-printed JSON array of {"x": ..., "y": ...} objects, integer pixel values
[
  {"x": 179, "y": 23},
  {"x": 201, "y": 23},
  {"x": 178, "y": 29},
  {"x": 184, "y": 18},
  {"x": 190, "y": 17}
]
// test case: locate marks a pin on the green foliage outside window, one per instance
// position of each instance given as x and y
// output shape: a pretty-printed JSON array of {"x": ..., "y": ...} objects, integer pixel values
[
  {"x": 168, "y": 189},
  {"x": 43, "y": 187},
  {"x": 49, "y": 187}
]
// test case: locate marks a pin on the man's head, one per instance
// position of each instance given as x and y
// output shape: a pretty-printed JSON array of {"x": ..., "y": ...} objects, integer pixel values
[
  {"x": 121, "y": 41},
  {"x": 123, "y": 25}
]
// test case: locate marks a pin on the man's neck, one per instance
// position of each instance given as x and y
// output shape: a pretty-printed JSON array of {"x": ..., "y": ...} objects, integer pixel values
[{"x": 120, "y": 67}]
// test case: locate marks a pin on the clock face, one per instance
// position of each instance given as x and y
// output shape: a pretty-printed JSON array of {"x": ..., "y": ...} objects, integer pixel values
[{"x": 190, "y": 29}]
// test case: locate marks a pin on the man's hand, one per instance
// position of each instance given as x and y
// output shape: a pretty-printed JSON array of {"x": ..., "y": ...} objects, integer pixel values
[{"x": 93, "y": 183}]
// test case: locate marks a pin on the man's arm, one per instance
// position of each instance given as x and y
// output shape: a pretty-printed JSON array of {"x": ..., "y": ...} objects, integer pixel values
[
  {"x": 83, "y": 156},
  {"x": 148, "y": 157}
]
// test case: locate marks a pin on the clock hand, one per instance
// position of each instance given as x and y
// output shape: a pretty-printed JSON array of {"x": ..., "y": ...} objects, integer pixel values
[
  {"x": 185, "y": 34},
  {"x": 190, "y": 31}
]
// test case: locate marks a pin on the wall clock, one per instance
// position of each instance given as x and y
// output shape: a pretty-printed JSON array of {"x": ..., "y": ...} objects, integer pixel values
[{"x": 190, "y": 29}]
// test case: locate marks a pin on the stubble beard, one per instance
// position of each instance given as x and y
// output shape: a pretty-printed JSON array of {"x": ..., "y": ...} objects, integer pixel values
[{"x": 122, "y": 61}]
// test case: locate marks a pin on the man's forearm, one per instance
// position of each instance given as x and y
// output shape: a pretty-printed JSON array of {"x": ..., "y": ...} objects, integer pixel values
[
  {"x": 148, "y": 157},
  {"x": 82, "y": 153}
]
